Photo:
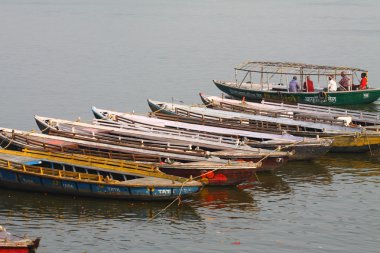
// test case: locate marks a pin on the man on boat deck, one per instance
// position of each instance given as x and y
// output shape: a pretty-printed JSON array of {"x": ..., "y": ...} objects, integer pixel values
[
  {"x": 344, "y": 82},
  {"x": 332, "y": 84},
  {"x": 293, "y": 85},
  {"x": 308, "y": 86},
  {"x": 363, "y": 82}
]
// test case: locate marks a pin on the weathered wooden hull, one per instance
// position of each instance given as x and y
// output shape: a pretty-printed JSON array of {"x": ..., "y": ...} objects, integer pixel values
[
  {"x": 355, "y": 143},
  {"x": 58, "y": 174},
  {"x": 344, "y": 142},
  {"x": 219, "y": 177},
  {"x": 157, "y": 108},
  {"x": 269, "y": 163},
  {"x": 277, "y": 122},
  {"x": 338, "y": 98},
  {"x": 33, "y": 139},
  {"x": 27, "y": 182},
  {"x": 363, "y": 118},
  {"x": 349, "y": 143},
  {"x": 21, "y": 246},
  {"x": 109, "y": 131},
  {"x": 303, "y": 152},
  {"x": 272, "y": 159}
]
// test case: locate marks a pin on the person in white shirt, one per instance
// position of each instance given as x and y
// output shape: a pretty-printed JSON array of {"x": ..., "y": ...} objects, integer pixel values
[{"x": 332, "y": 86}]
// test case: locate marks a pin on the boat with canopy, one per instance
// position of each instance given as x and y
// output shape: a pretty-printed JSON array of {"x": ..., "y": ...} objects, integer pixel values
[{"x": 261, "y": 80}]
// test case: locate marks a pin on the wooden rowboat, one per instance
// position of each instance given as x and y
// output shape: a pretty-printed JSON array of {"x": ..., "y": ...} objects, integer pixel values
[
  {"x": 305, "y": 148},
  {"x": 19, "y": 140},
  {"x": 171, "y": 108},
  {"x": 148, "y": 134},
  {"x": 14, "y": 244},
  {"x": 84, "y": 176},
  {"x": 299, "y": 111},
  {"x": 356, "y": 139},
  {"x": 117, "y": 136}
]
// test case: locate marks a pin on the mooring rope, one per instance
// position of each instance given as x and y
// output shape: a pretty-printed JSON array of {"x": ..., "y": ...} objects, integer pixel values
[
  {"x": 279, "y": 148},
  {"x": 180, "y": 192},
  {"x": 369, "y": 145},
  {"x": 162, "y": 108},
  {"x": 179, "y": 197}
]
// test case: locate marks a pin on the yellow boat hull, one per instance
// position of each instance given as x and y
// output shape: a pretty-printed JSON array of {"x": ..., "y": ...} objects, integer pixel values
[{"x": 355, "y": 143}]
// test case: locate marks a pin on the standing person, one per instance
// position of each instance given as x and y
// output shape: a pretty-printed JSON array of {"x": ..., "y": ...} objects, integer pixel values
[
  {"x": 308, "y": 86},
  {"x": 332, "y": 84},
  {"x": 345, "y": 81},
  {"x": 293, "y": 85},
  {"x": 363, "y": 82}
]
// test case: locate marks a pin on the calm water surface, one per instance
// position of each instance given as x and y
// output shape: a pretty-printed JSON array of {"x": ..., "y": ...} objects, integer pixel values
[{"x": 58, "y": 58}]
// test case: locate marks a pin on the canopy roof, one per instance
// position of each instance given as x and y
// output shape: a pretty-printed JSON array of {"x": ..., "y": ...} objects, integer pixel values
[{"x": 291, "y": 68}]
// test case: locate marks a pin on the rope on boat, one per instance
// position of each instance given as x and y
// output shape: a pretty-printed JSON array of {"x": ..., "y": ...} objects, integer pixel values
[
  {"x": 203, "y": 105},
  {"x": 162, "y": 108},
  {"x": 180, "y": 192},
  {"x": 42, "y": 130},
  {"x": 278, "y": 149},
  {"x": 257, "y": 177},
  {"x": 345, "y": 135},
  {"x": 164, "y": 209},
  {"x": 179, "y": 196},
  {"x": 369, "y": 145}
]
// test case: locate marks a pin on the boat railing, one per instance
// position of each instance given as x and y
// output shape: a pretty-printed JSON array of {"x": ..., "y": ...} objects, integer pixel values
[
  {"x": 91, "y": 161},
  {"x": 309, "y": 118},
  {"x": 173, "y": 133},
  {"x": 122, "y": 164},
  {"x": 249, "y": 123},
  {"x": 215, "y": 121},
  {"x": 121, "y": 144},
  {"x": 49, "y": 172},
  {"x": 328, "y": 110},
  {"x": 30, "y": 143},
  {"x": 115, "y": 137}
]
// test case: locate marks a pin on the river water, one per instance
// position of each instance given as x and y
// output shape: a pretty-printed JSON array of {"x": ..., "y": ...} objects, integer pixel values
[{"x": 60, "y": 57}]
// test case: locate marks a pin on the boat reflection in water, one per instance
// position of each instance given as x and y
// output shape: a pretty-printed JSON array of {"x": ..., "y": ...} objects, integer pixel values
[
  {"x": 223, "y": 197},
  {"x": 89, "y": 223},
  {"x": 284, "y": 180},
  {"x": 301, "y": 172},
  {"x": 31, "y": 207},
  {"x": 357, "y": 165}
]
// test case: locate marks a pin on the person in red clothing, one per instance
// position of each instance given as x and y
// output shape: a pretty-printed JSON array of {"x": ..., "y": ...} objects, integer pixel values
[
  {"x": 308, "y": 86},
  {"x": 363, "y": 82}
]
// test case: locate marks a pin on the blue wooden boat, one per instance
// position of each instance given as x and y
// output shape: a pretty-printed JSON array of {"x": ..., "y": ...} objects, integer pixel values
[
  {"x": 78, "y": 177},
  {"x": 19, "y": 140}
]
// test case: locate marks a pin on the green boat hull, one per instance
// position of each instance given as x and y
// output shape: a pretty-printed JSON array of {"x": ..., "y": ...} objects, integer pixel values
[{"x": 337, "y": 98}]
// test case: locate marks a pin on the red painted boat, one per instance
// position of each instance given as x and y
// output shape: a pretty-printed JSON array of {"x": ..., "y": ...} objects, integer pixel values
[
  {"x": 211, "y": 173},
  {"x": 9, "y": 244}
]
